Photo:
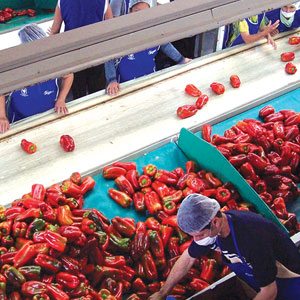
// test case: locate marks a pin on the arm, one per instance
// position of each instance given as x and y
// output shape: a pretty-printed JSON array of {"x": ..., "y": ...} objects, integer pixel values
[
  {"x": 116, "y": 7},
  {"x": 60, "y": 105},
  {"x": 4, "y": 124},
  {"x": 172, "y": 53},
  {"x": 179, "y": 270},
  {"x": 113, "y": 86},
  {"x": 57, "y": 21},
  {"x": 108, "y": 14},
  {"x": 268, "y": 292}
]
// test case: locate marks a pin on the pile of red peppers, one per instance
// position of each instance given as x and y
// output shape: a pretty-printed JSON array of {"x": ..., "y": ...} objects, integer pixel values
[
  {"x": 8, "y": 13},
  {"x": 267, "y": 154}
]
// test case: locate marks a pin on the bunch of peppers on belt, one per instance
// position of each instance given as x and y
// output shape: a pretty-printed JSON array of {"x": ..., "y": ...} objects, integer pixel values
[
  {"x": 266, "y": 151},
  {"x": 8, "y": 13}
]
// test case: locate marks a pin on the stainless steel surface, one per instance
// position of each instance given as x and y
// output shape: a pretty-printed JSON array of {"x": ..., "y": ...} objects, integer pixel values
[{"x": 85, "y": 47}]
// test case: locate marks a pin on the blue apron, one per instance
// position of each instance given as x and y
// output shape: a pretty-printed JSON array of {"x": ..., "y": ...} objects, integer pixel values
[
  {"x": 32, "y": 100},
  {"x": 287, "y": 288},
  {"x": 274, "y": 15},
  {"x": 80, "y": 13},
  {"x": 253, "y": 29},
  {"x": 137, "y": 64}
]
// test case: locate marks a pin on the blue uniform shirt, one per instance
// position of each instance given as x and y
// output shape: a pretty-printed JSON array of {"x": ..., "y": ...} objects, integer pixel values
[
  {"x": 261, "y": 243},
  {"x": 79, "y": 13}
]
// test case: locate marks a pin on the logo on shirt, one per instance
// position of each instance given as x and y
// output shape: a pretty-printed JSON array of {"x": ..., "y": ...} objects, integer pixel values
[
  {"x": 24, "y": 92},
  {"x": 131, "y": 57},
  {"x": 150, "y": 52},
  {"x": 46, "y": 93}
]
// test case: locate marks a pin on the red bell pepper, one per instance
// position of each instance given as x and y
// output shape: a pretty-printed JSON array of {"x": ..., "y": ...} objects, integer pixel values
[
  {"x": 67, "y": 280},
  {"x": 166, "y": 233},
  {"x": 223, "y": 195},
  {"x": 217, "y": 88},
  {"x": 140, "y": 244},
  {"x": 206, "y": 132},
  {"x": 56, "y": 293},
  {"x": 5, "y": 227},
  {"x": 184, "y": 246},
  {"x": 248, "y": 172},
  {"x": 30, "y": 213},
  {"x": 186, "y": 111},
  {"x": 125, "y": 226},
  {"x": 67, "y": 143},
  {"x": 196, "y": 184},
  {"x": 265, "y": 111},
  {"x": 275, "y": 117},
  {"x": 71, "y": 189},
  {"x": 125, "y": 165},
  {"x": 112, "y": 172},
  {"x": 55, "y": 240},
  {"x": 28, "y": 147},
  {"x": 294, "y": 40},
  {"x": 122, "y": 244},
  {"x": 12, "y": 212},
  {"x": 235, "y": 81},
  {"x": 76, "y": 178},
  {"x": 24, "y": 255},
  {"x": 292, "y": 120},
  {"x": 88, "y": 226},
  {"x": 173, "y": 247},
  {"x": 290, "y": 68},
  {"x": 291, "y": 132},
  {"x": 201, "y": 101},
  {"x": 169, "y": 207},
  {"x": 160, "y": 188},
  {"x": 192, "y": 90},
  {"x": 144, "y": 181},
  {"x": 139, "y": 201},
  {"x": 132, "y": 176},
  {"x": 64, "y": 215},
  {"x": 152, "y": 202},
  {"x": 120, "y": 197},
  {"x": 31, "y": 12},
  {"x": 114, "y": 261},
  {"x": 152, "y": 223},
  {"x": 175, "y": 197},
  {"x": 150, "y": 170},
  {"x": 156, "y": 244},
  {"x": 257, "y": 162},
  {"x": 124, "y": 185},
  {"x": 287, "y": 56},
  {"x": 87, "y": 184},
  {"x": 149, "y": 266},
  {"x": 279, "y": 208},
  {"x": 34, "y": 226},
  {"x": 31, "y": 288},
  {"x": 213, "y": 181},
  {"x": 38, "y": 192}
]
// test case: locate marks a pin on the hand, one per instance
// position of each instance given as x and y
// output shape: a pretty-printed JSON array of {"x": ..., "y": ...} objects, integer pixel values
[
  {"x": 4, "y": 124},
  {"x": 49, "y": 31},
  {"x": 273, "y": 33},
  {"x": 60, "y": 107},
  {"x": 185, "y": 61},
  {"x": 271, "y": 27},
  {"x": 271, "y": 42},
  {"x": 113, "y": 88}
]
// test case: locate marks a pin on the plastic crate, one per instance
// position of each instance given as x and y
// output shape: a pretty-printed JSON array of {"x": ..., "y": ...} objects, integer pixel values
[{"x": 45, "y": 4}]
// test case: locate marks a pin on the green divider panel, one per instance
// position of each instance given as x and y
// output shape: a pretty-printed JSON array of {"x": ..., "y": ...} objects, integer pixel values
[{"x": 209, "y": 158}]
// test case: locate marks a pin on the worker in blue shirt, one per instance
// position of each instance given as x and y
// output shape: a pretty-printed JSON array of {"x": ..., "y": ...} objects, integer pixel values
[
  {"x": 137, "y": 64},
  {"x": 289, "y": 16},
  {"x": 75, "y": 14},
  {"x": 37, "y": 98},
  {"x": 257, "y": 250}
]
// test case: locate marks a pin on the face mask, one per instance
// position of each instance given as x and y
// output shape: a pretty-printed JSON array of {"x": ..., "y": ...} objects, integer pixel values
[
  {"x": 206, "y": 241},
  {"x": 288, "y": 14}
]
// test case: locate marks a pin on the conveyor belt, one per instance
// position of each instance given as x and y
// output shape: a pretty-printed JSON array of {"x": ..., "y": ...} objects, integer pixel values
[{"x": 138, "y": 120}]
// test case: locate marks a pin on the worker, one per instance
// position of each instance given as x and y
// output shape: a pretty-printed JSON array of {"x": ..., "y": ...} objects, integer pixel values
[
  {"x": 75, "y": 14},
  {"x": 289, "y": 16},
  {"x": 251, "y": 30},
  {"x": 121, "y": 7},
  {"x": 137, "y": 64},
  {"x": 37, "y": 98},
  {"x": 258, "y": 251}
]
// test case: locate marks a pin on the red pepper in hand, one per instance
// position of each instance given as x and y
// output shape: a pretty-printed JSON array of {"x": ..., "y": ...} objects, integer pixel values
[
  {"x": 198, "y": 284},
  {"x": 186, "y": 111},
  {"x": 290, "y": 68},
  {"x": 121, "y": 198},
  {"x": 67, "y": 143},
  {"x": 235, "y": 81},
  {"x": 193, "y": 91},
  {"x": 217, "y": 88},
  {"x": 208, "y": 269},
  {"x": 287, "y": 56},
  {"x": 201, "y": 101},
  {"x": 28, "y": 147}
]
